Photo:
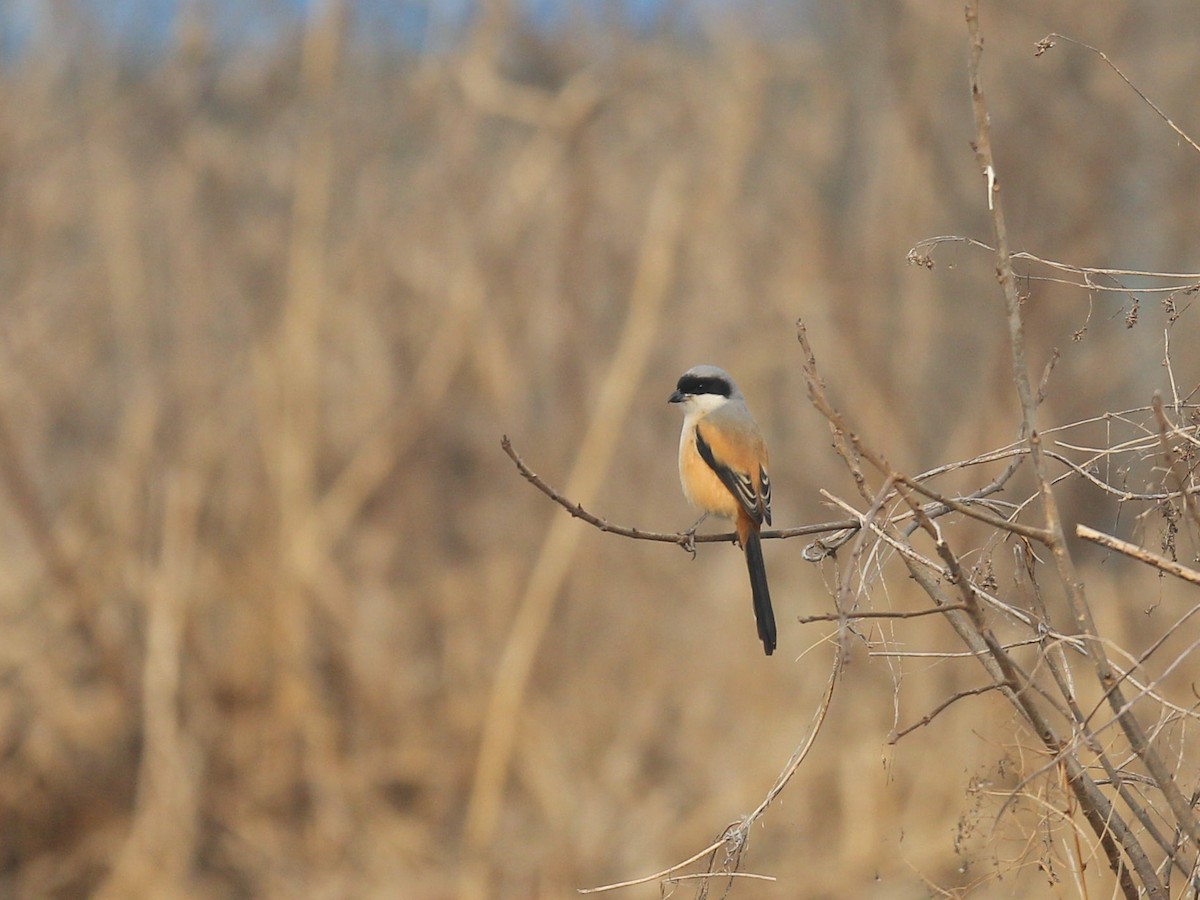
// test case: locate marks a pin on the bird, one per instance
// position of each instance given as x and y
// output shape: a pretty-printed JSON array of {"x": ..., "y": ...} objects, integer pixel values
[{"x": 723, "y": 471}]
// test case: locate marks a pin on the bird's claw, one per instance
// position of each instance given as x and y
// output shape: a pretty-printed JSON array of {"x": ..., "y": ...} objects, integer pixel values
[{"x": 688, "y": 542}]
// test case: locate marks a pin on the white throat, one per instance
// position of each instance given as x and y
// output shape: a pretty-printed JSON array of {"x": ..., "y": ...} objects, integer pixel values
[{"x": 699, "y": 405}]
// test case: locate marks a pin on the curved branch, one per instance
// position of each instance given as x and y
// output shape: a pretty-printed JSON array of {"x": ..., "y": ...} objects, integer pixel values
[
  {"x": 921, "y": 255},
  {"x": 682, "y": 538}
]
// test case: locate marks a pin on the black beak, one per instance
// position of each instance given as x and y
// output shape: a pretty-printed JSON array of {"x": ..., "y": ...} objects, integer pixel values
[{"x": 677, "y": 397}]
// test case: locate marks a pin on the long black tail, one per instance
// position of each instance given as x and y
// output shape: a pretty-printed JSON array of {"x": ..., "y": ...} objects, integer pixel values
[{"x": 763, "y": 614}]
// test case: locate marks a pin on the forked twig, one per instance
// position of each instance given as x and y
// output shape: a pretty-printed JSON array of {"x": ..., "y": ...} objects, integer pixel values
[
  {"x": 657, "y": 876},
  {"x": 737, "y": 834},
  {"x": 921, "y": 254},
  {"x": 895, "y": 736},
  {"x": 1176, "y": 482},
  {"x": 1048, "y": 41}
]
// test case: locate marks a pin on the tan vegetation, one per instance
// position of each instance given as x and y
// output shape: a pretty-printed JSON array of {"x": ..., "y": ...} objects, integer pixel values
[{"x": 268, "y": 575}]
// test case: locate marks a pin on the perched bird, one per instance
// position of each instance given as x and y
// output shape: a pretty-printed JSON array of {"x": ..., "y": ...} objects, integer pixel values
[{"x": 723, "y": 469}]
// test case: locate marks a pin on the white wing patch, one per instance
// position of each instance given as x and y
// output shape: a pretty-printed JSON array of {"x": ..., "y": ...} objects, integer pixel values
[{"x": 766, "y": 493}]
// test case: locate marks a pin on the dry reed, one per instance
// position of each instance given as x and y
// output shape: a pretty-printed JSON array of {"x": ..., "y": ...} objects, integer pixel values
[{"x": 268, "y": 312}]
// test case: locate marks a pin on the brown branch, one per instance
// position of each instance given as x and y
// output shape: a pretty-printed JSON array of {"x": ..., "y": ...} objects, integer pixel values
[
  {"x": 920, "y": 254},
  {"x": 682, "y": 538},
  {"x": 700, "y": 876},
  {"x": 736, "y": 835},
  {"x": 911, "y": 614},
  {"x": 1108, "y": 488},
  {"x": 1048, "y": 41},
  {"x": 851, "y": 448},
  {"x": 933, "y": 510},
  {"x": 1141, "y": 554},
  {"x": 1174, "y": 480},
  {"x": 1103, "y": 818},
  {"x": 837, "y": 425},
  {"x": 657, "y": 876},
  {"x": 994, "y": 486},
  {"x": 895, "y": 736},
  {"x": 1055, "y": 661},
  {"x": 978, "y": 635},
  {"x": 1040, "y": 535}
]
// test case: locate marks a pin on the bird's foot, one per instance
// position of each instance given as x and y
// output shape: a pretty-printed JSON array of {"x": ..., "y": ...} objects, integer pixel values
[{"x": 688, "y": 542}]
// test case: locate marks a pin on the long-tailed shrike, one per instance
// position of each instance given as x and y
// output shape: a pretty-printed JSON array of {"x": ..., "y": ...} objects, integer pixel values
[{"x": 723, "y": 468}]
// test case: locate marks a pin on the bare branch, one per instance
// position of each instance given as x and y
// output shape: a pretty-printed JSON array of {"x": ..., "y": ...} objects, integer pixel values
[
  {"x": 911, "y": 614},
  {"x": 851, "y": 448},
  {"x": 682, "y": 538},
  {"x": 895, "y": 736},
  {"x": 736, "y": 835},
  {"x": 921, "y": 254},
  {"x": 1048, "y": 41},
  {"x": 1177, "y": 482},
  {"x": 657, "y": 876},
  {"x": 1139, "y": 553},
  {"x": 1099, "y": 812}
]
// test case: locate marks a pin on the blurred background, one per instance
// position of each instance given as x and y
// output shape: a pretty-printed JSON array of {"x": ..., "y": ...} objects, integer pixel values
[{"x": 278, "y": 617}]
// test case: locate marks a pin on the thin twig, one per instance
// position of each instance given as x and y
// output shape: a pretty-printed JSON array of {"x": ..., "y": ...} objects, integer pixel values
[
  {"x": 882, "y": 614},
  {"x": 1040, "y": 535},
  {"x": 842, "y": 602},
  {"x": 1141, "y": 554},
  {"x": 920, "y": 253},
  {"x": 657, "y": 876},
  {"x": 895, "y": 736},
  {"x": 948, "y": 654},
  {"x": 702, "y": 875},
  {"x": 1048, "y": 41},
  {"x": 1098, "y": 810},
  {"x": 1176, "y": 481},
  {"x": 851, "y": 447},
  {"x": 1054, "y": 658},
  {"x": 911, "y": 557},
  {"x": 736, "y": 835}
]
